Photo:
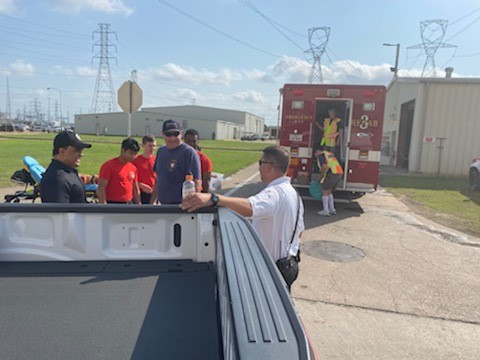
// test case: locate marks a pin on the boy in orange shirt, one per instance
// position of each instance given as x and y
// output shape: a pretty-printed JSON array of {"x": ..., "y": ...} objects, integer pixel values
[
  {"x": 118, "y": 178},
  {"x": 192, "y": 139},
  {"x": 144, "y": 164}
]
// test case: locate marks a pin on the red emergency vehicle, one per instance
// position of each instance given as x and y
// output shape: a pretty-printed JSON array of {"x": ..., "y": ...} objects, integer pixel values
[{"x": 361, "y": 110}]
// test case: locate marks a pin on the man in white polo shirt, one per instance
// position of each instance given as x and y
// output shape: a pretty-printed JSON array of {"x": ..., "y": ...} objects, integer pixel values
[{"x": 276, "y": 211}]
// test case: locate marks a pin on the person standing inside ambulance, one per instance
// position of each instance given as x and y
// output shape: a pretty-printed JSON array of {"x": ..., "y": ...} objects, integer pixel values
[{"x": 330, "y": 131}]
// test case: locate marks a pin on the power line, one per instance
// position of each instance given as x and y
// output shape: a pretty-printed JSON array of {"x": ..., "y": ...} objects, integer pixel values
[
  {"x": 465, "y": 16},
  {"x": 250, "y": 5},
  {"x": 42, "y": 33},
  {"x": 328, "y": 49},
  {"x": 463, "y": 29},
  {"x": 467, "y": 55},
  {"x": 63, "y": 31},
  {"x": 36, "y": 38},
  {"x": 40, "y": 53},
  {"x": 216, "y": 30},
  {"x": 39, "y": 45}
]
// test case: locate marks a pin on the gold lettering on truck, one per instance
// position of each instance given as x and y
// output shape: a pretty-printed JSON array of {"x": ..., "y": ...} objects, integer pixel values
[{"x": 299, "y": 118}]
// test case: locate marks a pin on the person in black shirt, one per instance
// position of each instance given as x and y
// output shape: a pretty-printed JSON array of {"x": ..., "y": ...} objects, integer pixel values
[{"x": 60, "y": 182}]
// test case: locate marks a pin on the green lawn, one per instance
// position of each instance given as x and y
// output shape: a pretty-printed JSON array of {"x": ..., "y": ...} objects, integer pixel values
[
  {"x": 227, "y": 156},
  {"x": 446, "y": 200}
]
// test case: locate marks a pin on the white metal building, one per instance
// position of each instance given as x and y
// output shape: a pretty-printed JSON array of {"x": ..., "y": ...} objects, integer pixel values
[
  {"x": 432, "y": 125},
  {"x": 209, "y": 122}
]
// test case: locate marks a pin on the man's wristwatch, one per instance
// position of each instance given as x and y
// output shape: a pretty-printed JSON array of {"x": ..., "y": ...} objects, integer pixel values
[{"x": 214, "y": 199}]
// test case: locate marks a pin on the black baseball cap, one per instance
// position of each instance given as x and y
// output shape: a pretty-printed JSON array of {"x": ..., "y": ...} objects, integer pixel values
[
  {"x": 170, "y": 125},
  {"x": 69, "y": 138}
]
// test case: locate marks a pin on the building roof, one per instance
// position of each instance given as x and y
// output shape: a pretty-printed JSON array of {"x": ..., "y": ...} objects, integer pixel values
[
  {"x": 197, "y": 107},
  {"x": 438, "y": 80}
]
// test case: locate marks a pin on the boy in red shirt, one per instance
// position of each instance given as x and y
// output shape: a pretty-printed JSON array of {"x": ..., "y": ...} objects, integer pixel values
[
  {"x": 144, "y": 164},
  {"x": 118, "y": 178},
  {"x": 192, "y": 139}
]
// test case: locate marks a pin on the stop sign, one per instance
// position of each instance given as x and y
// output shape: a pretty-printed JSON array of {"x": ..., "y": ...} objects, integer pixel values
[{"x": 130, "y": 96}]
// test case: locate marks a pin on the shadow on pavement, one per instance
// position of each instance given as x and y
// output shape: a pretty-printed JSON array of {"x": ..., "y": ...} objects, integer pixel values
[
  {"x": 312, "y": 219},
  {"x": 344, "y": 211}
]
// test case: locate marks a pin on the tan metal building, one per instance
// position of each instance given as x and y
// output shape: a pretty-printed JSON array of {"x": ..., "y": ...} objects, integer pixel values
[
  {"x": 210, "y": 122},
  {"x": 432, "y": 125}
]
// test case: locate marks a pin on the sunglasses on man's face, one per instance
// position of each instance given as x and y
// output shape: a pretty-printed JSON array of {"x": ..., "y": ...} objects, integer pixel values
[
  {"x": 260, "y": 162},
  {"x": 172, "y": 133}
]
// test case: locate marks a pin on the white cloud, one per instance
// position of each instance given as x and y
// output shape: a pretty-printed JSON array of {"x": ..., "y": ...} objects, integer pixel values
[
  {"x": 250, "y": 96},
  {"x": 7, "y": 7},
  {"x": 41, "y": 92},
  {"x": 187, "y": 94},
  {"x": 174, "y": 72},
  {"x": 86, "y": 71},
  {"x": 5, "y": 72},
  {"x": 259, "y": 75},
  {"x": 60, "y": 70},
  {"x": 291, "y": 69},
  {"x": 22, "y": 68},
  {"x": 106, "y": 6},
  {"x": 353, "y": 72}
]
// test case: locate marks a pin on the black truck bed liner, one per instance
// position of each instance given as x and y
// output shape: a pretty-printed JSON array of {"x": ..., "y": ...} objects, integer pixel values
[{"x": 127, "y": 309}]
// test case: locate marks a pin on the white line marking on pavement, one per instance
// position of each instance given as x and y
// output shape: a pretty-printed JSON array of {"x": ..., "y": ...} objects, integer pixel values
[{"x": 238, "y": 186}]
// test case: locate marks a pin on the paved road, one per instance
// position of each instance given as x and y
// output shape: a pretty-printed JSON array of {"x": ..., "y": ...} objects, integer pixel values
[{"x": 414, "y": 295}]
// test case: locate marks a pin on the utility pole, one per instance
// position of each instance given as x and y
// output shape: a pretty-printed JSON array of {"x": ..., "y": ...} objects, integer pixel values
[
  {"x": 432, "y": 33},
  {"x": 104, "y": 94},
  {"x": 397, "y": 53},
  {"x": 56, "y": 112},
  {"x": 48, "y": 116},
  {"x": 8, "y": 107},
  {"x": 60, "y": 96},
  {"x": 318, "y": 39}
]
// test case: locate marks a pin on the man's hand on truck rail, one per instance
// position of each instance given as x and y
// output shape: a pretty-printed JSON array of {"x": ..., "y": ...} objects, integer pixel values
[
  {"x": 199, "y": 200},
  {"x": 196, "y": 201}
]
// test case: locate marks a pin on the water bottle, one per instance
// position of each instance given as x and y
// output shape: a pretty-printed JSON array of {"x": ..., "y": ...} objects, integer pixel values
[{"x": 188, "y": 186}]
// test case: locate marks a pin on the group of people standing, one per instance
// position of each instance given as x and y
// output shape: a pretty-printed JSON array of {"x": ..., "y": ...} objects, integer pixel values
[
  {"x": 129, "y": 178},
  {"x": 277, "y": 212}
]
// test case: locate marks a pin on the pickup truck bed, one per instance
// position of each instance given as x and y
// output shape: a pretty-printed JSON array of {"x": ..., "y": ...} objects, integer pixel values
[
  {"x": 85, "y": 281},
  {"x": 109, "y": 310}
]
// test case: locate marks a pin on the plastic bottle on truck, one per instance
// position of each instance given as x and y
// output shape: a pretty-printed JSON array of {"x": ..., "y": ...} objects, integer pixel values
[{"x": 188, "y": 186}]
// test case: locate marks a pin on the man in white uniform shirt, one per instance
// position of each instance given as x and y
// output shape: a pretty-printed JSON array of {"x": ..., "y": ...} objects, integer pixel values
[{"x": 276, "y": 211}]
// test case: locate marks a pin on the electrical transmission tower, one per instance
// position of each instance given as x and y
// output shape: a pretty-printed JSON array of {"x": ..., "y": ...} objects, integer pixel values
[
  {"x": 432, "y": 33},
  {"x": 104, "y": 94},
  {"x": 318, "y": 39},
  {"x": 8, "y": 107},
  {"x": 36, "y": 110}
]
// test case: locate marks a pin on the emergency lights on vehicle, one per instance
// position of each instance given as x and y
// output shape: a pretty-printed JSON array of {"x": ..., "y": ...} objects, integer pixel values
[
  {"x": 333, "y": 92},
  {"x": 297, "y": 104},
  {"x": 368, "y": 106}
]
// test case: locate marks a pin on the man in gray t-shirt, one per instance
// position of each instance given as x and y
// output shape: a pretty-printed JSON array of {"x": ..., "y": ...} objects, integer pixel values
[{"x": 174, "y": 161}]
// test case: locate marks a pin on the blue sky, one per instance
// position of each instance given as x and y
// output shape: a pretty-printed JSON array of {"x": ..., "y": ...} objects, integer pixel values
[{"x": 48, "y": 43}]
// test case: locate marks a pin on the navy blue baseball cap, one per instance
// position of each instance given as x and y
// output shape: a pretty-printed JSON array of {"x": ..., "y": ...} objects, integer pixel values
[{"x": 170, "y": 125}]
